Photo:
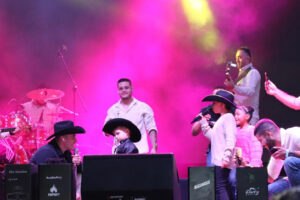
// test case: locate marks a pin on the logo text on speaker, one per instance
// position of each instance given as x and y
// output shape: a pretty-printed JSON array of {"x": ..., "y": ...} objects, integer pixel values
[
  {"x": 53, "y": 192},
  {"x": 200, "y": 185},
  {"x": 252, "y": 192}
]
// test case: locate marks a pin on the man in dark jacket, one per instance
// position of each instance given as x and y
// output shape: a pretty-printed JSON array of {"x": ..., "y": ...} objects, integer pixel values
[{"x": 58, "y": 150}]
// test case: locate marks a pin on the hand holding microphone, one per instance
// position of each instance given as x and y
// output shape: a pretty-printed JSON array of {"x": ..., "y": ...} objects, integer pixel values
[
  {"x": 203, "y": 113},
  {"x": 76, "y": 160}
]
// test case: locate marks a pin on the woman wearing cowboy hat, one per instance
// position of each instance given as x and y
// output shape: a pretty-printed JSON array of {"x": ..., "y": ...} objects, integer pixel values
[{"x": 223, "y": 138}]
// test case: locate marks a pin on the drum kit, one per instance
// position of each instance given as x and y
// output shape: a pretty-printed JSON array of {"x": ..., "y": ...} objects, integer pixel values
[{"x": 27, "y": 138}]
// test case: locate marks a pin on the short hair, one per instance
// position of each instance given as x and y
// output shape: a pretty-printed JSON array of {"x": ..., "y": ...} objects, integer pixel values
[
  {"x": 124, "y": 80},
  {"x": 246, "y": 50},
  {"x": 265, "y": 125},
  {"x": 248, "y": 110}
]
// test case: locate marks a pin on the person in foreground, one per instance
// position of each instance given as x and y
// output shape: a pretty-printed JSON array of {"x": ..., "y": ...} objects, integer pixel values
[
  {"x": 125, "y": 132},
  {"x": 58, "y": 150},
  {"x": 284, "y": 145},
  {"x": 222, "y": 137}
]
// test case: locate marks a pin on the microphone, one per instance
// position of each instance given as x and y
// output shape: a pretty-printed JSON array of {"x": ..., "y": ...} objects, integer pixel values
[
  {"x": 231, "y": 64},
  {"x": 61, "y": 50},
  {"x": 198, "y": 118},
  {"x": 76, "y": 151},
  {"x": 203, "y": 112}
]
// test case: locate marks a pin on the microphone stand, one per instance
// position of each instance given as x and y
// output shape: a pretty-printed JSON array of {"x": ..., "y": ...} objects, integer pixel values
[{"x": 75, "y": 86}]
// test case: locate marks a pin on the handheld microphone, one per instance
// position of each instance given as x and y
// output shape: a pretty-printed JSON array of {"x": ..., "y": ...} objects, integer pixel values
[
  {"x": 61, "y": 50},
  {"x": 76, "y": 151},
  {"x": 231, "y": 64},
  {"x": 203, "y": 112},
  {"x": 198, "y": 118}
]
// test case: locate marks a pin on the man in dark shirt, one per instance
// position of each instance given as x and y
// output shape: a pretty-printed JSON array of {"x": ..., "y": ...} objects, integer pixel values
[
  {"x": 58, "y": 150},
  {"x": 125, "y": 132}
]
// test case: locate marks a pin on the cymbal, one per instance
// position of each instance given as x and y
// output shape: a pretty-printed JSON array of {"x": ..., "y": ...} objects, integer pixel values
[{"x": 45, "y": 94}]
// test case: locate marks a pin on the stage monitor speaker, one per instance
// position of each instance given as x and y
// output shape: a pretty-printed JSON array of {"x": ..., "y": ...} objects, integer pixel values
[
  {"x": 130, "y": 177},
  {"x": 56, "y": 182},
  {"x": 252, "y": 183},
  {"x": 202, "y": 183},
  {"x": 18, "y": 182}
]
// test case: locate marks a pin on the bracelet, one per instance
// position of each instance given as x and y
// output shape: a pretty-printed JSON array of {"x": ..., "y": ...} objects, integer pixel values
[
  {"x": 292, "y": 154},
  {"x": 287, "y": 153}
]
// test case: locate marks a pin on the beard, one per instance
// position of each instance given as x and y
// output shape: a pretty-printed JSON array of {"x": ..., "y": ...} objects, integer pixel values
[{"x": 270, "y": 143}]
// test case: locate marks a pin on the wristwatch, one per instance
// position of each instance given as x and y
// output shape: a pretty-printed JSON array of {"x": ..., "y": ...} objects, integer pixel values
[{"x": 291, "y": 154}]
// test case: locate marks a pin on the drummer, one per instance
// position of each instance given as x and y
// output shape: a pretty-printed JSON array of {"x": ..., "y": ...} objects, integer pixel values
[{"x": 43, "y": 110}]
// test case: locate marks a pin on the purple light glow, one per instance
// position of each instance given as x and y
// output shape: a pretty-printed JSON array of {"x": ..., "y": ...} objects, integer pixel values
[{"x": 150, "y": 42}]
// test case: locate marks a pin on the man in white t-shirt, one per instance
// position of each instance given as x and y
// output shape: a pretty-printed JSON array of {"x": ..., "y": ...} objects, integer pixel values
[
  {"x": 284, "y": 145},
  {"x": 138, "y": 113}
]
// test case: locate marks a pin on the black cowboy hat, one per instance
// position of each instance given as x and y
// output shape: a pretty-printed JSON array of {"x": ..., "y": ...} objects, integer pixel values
[
  {"x": 223, "y": 96},
  {"x": 65, "y": 128},
  {"x": 111, "y": 125}
]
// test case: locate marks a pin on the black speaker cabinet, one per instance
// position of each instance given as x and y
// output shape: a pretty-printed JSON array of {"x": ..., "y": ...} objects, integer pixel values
[
  {"x": 252, "y": 183},
  {"x": 130, "y": 177},
  {"x": 18, "y": 182},
  {"x": 202, "y": 183},
  {"x": 56, "y": 182}
]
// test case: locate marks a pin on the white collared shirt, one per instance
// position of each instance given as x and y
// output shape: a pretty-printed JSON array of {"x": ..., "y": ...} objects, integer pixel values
[
  {"x": 247, "y": 91},
  {"x": 140, "y": 114}
]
